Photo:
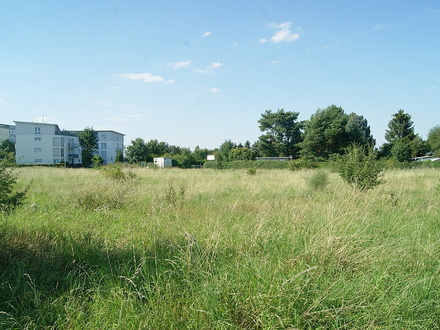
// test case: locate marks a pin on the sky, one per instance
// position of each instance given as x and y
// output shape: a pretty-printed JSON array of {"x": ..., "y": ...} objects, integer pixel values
[{"x": 201, "y": 72}]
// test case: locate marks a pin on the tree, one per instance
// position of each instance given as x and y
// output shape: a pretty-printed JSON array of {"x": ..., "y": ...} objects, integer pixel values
[
  {"x": 358, "y": 131},
  {"x": 241, "y": 153},
  {"x": 225, "y": 148},
  {"x": 434, "y": 140},
  {"x": 137, "y": 152},
  {"x": 282, "y": 133},
  {"x": 7, "y": 151},
  {"x": 400, "y": 127},
  {"x": 325, "y": 133},
  {"x": 400, "y": 135},
  {"x": 88, "y": 140},
  {"x": 119, "y": 157}
]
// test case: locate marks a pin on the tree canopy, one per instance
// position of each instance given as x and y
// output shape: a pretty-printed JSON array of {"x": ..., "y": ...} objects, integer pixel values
[
  {"x": 88, "y": 140},
  {"x": 282, "y": 134},
  {"x": 434, "y": 140}
]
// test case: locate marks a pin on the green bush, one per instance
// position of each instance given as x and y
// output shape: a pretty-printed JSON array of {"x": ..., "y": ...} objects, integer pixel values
[
  {"x": 9, "y": 199},
  {"x": 359, "y": 168},
  {"x": 116, "y": 172},
  {"x": 318, "y": 180}
]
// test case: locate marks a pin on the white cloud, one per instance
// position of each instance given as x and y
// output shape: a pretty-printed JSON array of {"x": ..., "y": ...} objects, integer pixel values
[
  {"x": 2, "y": 101},
  {"x": 209, "y": 69},
  {"x": 429, "y": 89},
  {"x": 283, "y": 33},
  {"x": 274, "y": 62},
  {"x": 171, "y": 81},
  {"x": 215, "y": 90},
  {"x": 179, "y": 65},
  {"x": 207, "y": 33},
  {"x": 113, "y": 88},
  {"x": 146, "y": 77}
]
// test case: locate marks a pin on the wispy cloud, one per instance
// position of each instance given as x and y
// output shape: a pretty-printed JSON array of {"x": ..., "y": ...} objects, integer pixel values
[
  {"x": 180, "y": 65},
  {"x": 378, "y": 27},
  {"x": 283, "y": 33},
  {"x": 207, "y": 33},
  {"x": 2, "y": 101},
  {"x": 209, "y": 69},
  {"x": 113, "y": 105},
  {"x": 113, "y": 88},
  {"x": 146, "y": 77},
  {"x": 432, "y": 88},
  {"x": 171, "y": 81},
  {"x": 215, "y": 90}
]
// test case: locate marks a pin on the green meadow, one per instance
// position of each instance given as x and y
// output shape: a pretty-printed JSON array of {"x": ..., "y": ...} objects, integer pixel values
[{"x": 221, "y": 249}]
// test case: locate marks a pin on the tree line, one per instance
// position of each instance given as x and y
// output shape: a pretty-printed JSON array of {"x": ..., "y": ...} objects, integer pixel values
[{"x": 328, "y": 133}]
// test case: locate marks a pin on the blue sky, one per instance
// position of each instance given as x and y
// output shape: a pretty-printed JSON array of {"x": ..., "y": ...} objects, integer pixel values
[{"x": 201, "y": 72}]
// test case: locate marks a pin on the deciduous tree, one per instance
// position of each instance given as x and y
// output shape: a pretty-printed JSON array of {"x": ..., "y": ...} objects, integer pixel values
[
  {"x": 88, "y": 140},
  {"x": 434, "y": 140}
]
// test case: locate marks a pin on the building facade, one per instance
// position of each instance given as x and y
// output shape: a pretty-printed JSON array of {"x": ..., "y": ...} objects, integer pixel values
[
  {"x": 42, "y": 143},
  {"x": 7, "y": 132}
]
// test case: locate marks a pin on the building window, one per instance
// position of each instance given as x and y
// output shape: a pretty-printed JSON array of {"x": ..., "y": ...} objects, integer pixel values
[
  {"x": 56, "y": 142},
  {"x": 62, "y": 152},
  {"x": 103, "y": 136},
  {"x": 37, "y": 138},
  {"x": 38, "y": 160},
  {"x": 37, "y": 131},
  {"x": 56, "y": 161},
  {"x": 103, "y": 146},
  {"x": 56, "y": 152},
  {"x": 38, "y": 150},
  {"x": 104, "y": 154}
]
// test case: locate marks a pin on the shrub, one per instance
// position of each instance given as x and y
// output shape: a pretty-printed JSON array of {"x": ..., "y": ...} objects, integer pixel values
[
  {"x": 319, "y": 180},
  {"x": 116, "y": 172},
  {"x": 9, "y": 199},
  {"x": 251, "y": 171},
  {"x": 359, "y": 168}
]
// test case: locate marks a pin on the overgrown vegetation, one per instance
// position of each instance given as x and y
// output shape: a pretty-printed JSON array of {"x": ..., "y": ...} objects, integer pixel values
[
  {"x": 9, "y": 197},
  {"x": 212, "y": 249},
  {"x": 359, "y": 168}
]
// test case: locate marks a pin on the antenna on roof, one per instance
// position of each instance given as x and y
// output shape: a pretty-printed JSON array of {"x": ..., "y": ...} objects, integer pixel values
[{"x": 43, "y": 118}]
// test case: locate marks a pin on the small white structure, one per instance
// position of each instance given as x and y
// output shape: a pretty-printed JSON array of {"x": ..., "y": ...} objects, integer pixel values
[
  {"x": 210, "y": 157},
  {"x": 163, "y": 162},
  {"x": 425, "y": 158}
]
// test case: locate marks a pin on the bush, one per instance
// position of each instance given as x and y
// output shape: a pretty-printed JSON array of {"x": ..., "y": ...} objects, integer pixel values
[
  {"x": 116, "y": 172},
  {"x": 359, "y": 168},
  {"x": 9, "y": 199},
  {"x": 319, "y": 180}
]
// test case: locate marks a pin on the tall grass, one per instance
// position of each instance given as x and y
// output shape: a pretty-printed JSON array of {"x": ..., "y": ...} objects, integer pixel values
[{"x": 208, "y": 249}]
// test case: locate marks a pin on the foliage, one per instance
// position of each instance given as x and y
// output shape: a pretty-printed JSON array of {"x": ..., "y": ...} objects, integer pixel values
[
  {"x": 319, "y": 180},
  {"x": 400, "y": 128},
  {"x": 116, "y": 172},
  {"x": 359, "y": 168},
  {"x": 282, "y": 134},
  {"x": 119, "y": 157},
  {"x": 9, "y": 199},
  {"x": 245, "y": 164},
  {"x": 137, "y": 152},
  {"x": 302, "y": 163},
  {"x": 330, "y": 131},
  {"x": 226, "y": 252},
  {"x": 251, "y": 171},
  {"x": 97, "y": 161},
  {"x": 241, "y": 153},
  {"x": 88, "y": 140},
  {"x": 434, "y": 140},
  {"x": 7, "y": 151}
]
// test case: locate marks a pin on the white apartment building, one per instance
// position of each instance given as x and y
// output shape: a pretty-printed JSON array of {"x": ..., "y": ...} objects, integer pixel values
[
  {"x": 7, "y": 132},
  {"x": 42, "y": 143},
  {"x": 109, "y": 143}
]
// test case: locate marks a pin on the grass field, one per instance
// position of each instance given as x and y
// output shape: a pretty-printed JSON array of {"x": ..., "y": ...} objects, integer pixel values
[{"x": 206, "y": 249}]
